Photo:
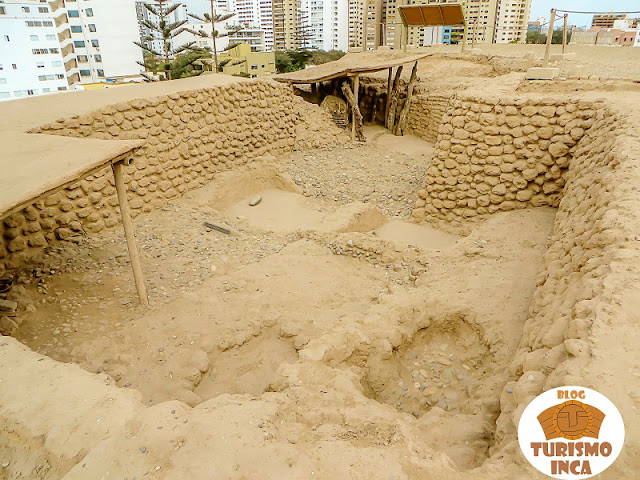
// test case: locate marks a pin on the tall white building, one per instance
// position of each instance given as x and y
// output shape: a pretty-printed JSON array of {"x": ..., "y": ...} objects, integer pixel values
[
  {"x": 31, "y": 61},
  {"x": 328, "y": 24},
  {"x": 103, "y": 33}
]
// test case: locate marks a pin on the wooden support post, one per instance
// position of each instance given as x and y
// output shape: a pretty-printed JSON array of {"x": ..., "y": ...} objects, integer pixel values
[
  {"x": 386, "y": 107},
  {"x": 357, "y": 116},
  {"x": 355, "y": 107},
  {"x": 464, "y": 37},
  {"x": 547, "y": 51},
  {"x": 393, "y": 105},
  {"x": 406, "y": 37},
  {"x": 564, "y": 33},
  {"x": 407, "y": 104},
  {"x": 129, "y": 234}
]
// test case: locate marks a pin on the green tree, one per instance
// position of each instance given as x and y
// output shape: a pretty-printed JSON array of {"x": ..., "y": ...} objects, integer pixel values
[
  {"x": 164, "y": 30},
  {"x": 212, "y": 18},
  {"x": 534, "y": 36}
]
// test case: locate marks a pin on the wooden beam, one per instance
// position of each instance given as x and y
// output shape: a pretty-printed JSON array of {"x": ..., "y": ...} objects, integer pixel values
[
  {"x": 393, "y": 105},
  {"x": 399, "y": 130},
  {"x": 564, "y": 33},
  {"x": 356, "y": 91},
  {"x": 357, "y": 129},
  {"x": 547, "y": 51},
  {"x": 129, "y": 233}
]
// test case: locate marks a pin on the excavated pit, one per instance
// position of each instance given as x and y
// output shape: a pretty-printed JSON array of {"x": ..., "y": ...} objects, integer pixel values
[{"x": 442, "y": 366}]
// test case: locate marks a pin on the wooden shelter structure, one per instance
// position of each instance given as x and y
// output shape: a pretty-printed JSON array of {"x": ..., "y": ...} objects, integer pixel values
[
  {"x": 38, "y": 165},
  {"x": 352, "y": 66},
  {"x": 432, "y": 15}
]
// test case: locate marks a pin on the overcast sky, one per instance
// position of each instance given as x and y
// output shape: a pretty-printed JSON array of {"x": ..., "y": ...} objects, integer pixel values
[{"x": 539, "y": 8}]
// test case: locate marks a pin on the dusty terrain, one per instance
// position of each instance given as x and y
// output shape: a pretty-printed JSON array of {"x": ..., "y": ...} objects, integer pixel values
[{"x": 328, "y": 335}]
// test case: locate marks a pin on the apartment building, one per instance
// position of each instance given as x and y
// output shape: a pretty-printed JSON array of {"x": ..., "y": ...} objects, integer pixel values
[
  {"x": 607, "y": 20},
  {"x": 511, "y": 21},
  {"x": 327, "y": 25},
  {"x": 31, "y": 61},
  {"x": 254, "y": 37},
  {"x": 288, "y": 25},
  {"x": 92, "y": 48}
]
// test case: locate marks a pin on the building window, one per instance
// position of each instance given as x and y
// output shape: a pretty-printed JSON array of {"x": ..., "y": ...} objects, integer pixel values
[
  {"x": 95, "y": 43},
  {"x": 98, "y": 58},
  {"x": 57, "y": 63},
  {"x": 47, "y": 23},
  {"x": 76, "y": 29},
  {"x": 92, "y": 27},
  {"x": 54, "y": 50},
  {"x": 43, "y": 10},
  {"x": 15, "y": 67},
  {"x": 4, "y": 94},
  {"x": 254, "y": 67},
  {"x": 26, "y": 9},
  {"x": 50, "y": 37},
  {"x": 17, "y": 93},
  {"x": 40, "y": 64},
  {"x": 73, "y": 13},
  {"x": 3, "y": 11},
  {"x": 85, "y": 73},
  {"x": 62, "y": 88},
  {"x": 33, "y": 37},
  {"x": 3, "y": 81},
  {"x": 59, "y": 76},
  {"x": 6, "y": 38},
  {"x": 46, "y": 90},
  {"x": 32, "y": 92},
  {"x": 89, "y": 12},
  {"x": 78, "y": 43},
  {"x": 101, "y": 73},
  {"x": 1, "y": 67},
  {"x": 83, "y": 58}
]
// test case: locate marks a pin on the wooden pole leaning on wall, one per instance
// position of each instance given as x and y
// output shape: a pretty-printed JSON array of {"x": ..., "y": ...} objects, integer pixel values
[
  {"x": 357, "y": 129},
  {"x": 393, "y": 104},
  {"x": 547, "y": 51},
  {"x": 355, "y": 107},
  {"x": 402, "y": 120},
  {"x": 125, "y": 212}
]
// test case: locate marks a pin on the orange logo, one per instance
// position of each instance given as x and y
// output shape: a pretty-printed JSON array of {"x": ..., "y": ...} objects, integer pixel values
[{"x": 571, "y": 420}]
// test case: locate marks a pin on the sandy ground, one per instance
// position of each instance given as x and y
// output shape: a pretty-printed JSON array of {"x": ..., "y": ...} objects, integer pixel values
[{"x": 293, "y": 271}]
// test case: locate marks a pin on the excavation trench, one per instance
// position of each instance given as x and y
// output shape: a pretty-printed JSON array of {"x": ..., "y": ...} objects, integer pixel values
[{"x": 342, "y": 253}]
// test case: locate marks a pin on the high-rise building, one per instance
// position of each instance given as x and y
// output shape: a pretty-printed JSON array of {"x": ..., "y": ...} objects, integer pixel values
[
  {"x": 31, "y": 61},
  {"x": 93, "y": 49},
  {"x": 327, "y": 26},
  {"x": 511, "y": 21},
  {"x": 289, "y": 25}
]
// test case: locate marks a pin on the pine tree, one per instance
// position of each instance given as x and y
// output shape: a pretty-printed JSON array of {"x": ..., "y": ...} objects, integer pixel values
[
  {"x": 164, "y": 30},
  {"x": 213, "y": 18}
]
